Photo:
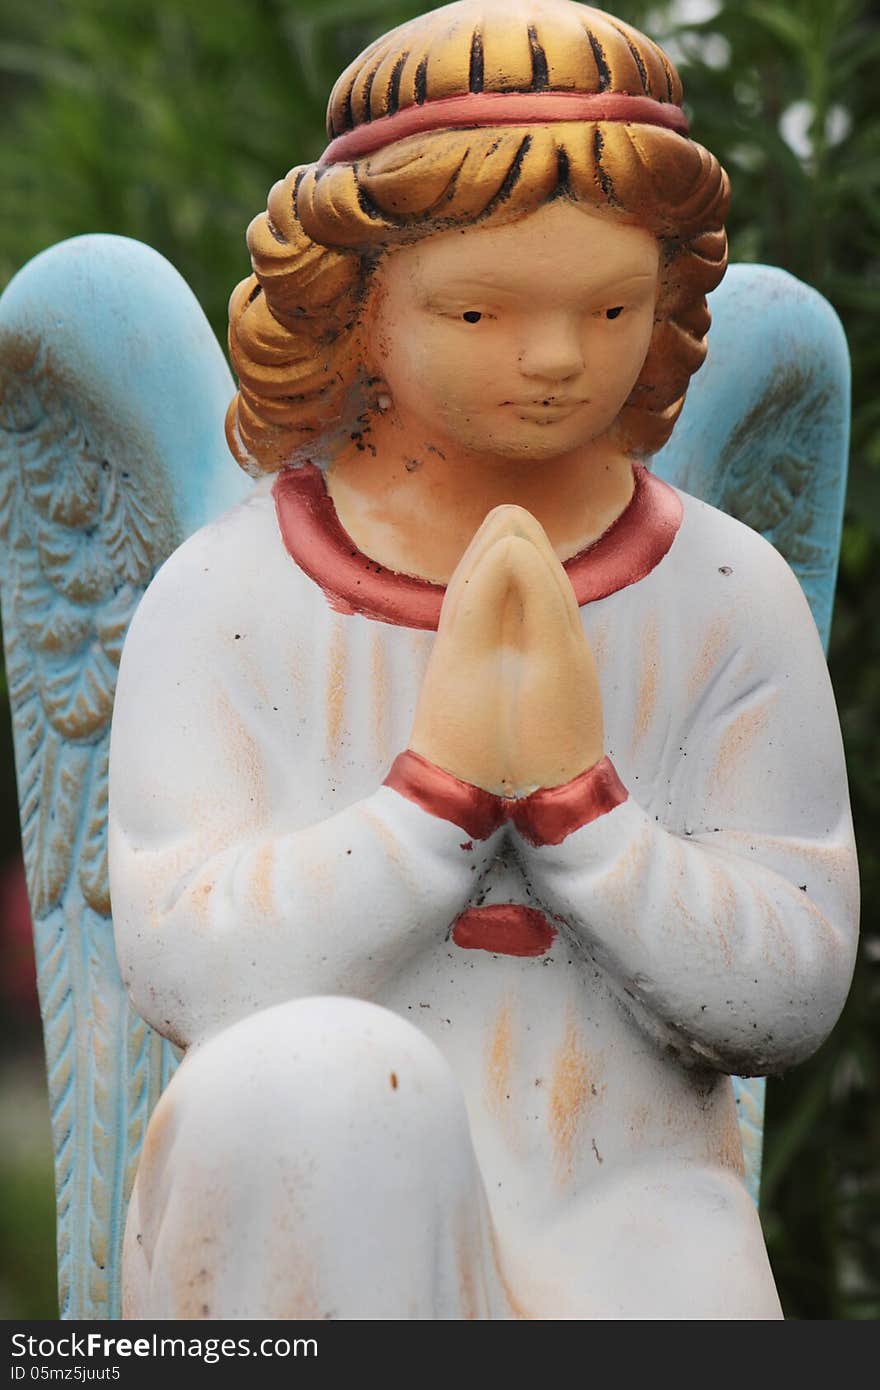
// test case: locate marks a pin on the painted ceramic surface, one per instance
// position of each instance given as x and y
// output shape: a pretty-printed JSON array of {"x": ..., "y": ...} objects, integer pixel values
[
  {"x": 658, "y": 917},
  {"x": 521, "y": 1038}
]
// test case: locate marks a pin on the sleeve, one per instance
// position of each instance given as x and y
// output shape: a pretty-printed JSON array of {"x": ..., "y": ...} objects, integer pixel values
[
  {"x": 724, "y": 911},
  {"x": 224, "y": 902}
]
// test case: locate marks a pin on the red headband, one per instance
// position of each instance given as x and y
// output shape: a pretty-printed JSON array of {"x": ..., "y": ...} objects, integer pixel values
[{"x": 502, "y": 108}]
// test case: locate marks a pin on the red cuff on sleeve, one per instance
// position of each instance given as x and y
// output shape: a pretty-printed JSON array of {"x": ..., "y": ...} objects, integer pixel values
[
  {"x": 551, "y": 813},
  {"x": 478, "y": 812},
  {"x": 544, "y": 818}
]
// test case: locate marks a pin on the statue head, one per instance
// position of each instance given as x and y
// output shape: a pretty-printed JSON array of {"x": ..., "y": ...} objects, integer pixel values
[{"x": 475, "y": 115}]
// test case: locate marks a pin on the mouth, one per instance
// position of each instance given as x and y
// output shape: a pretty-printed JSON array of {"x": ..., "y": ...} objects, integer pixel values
[
  {"x": 548, "y": 402},
  {"x": 547, "y": 410}
]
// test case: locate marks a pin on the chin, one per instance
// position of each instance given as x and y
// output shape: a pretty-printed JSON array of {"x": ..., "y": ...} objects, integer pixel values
[{"x": 539, "y": 446}]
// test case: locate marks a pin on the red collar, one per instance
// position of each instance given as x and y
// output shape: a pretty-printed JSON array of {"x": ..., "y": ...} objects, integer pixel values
[{"x": 353, "y": 583}]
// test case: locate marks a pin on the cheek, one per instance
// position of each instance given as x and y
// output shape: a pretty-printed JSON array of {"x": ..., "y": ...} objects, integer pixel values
[
  {"x": 642, "y": 343},
  {"x": 450, "y": 367},
  {"x": 623, "y": 361}
]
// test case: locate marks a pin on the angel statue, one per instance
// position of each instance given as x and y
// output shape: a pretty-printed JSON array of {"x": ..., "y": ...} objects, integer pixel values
[{"x": 477, "y": 805}]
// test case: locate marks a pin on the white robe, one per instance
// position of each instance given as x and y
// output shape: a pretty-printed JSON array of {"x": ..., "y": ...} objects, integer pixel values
[{"x": 704, "y": 926}]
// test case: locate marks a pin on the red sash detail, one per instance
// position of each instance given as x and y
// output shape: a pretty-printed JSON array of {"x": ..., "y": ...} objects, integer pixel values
[
  {"x": 505, "y": 929},
  {"x": 478, "y": 812},
  {"x": 544, "y": 818}
]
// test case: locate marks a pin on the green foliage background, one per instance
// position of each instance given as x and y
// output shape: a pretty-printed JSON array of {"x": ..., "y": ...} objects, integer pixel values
[{"x": 168, "y": 122}]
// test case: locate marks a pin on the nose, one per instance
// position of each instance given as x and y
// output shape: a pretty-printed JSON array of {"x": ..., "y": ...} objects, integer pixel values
[{"x": 552, "y": 349}]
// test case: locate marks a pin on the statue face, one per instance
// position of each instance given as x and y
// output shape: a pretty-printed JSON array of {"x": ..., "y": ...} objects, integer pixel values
[{"x": 517, "y": 342}]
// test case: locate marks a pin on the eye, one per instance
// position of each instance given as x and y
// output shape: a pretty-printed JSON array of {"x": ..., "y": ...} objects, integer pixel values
[
  {"x": 472, "y": 316},
  {"x": 614, "y": 313}
]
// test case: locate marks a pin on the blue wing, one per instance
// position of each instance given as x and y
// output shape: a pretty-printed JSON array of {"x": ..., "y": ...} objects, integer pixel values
[
  {"x": 764, "y": 436},
  {"x": 113, "y": 391}
]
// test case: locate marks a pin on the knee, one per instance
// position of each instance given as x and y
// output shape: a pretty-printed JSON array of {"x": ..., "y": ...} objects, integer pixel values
[
  {"x": 318, "y": 1148},
  {"x": 314, "y": 1072}
]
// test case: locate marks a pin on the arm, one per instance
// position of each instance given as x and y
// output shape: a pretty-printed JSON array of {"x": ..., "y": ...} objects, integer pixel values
[
  {"x": 732, "y": 941},
  {"x": 225, "y": 900}
]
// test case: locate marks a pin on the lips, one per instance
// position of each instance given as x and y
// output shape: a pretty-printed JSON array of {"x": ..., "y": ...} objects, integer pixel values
[
  {"x": 548, "y": 403},
  {"x": 545, "y": 412}
]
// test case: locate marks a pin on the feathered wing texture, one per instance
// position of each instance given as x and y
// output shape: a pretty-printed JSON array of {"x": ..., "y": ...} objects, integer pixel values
[
  {"x": 764, "y": 436},
  {"x": 113, "y": 392}
]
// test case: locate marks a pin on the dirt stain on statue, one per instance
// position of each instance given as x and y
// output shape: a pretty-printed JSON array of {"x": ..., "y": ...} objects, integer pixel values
[
  {"x": 379, "y": 687},
  {"x": 499, "y": 1056},
  {"x": 242, "y": 750},
  {"x": 745, "y": 728},
  {"x": 647, "y": 684},
  {"x": 336, "y": 680},
  {"x": 261, "y": 881},
  {"x": 706, "y": 664},
  {"x": 571, "y": 1086}
]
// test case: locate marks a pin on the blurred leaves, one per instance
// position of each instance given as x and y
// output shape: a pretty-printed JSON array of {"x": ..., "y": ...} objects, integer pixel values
[{"x": 170, "y": 122}]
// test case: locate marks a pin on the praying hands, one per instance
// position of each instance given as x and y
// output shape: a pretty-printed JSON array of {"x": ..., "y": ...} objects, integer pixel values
[{"x": 510, "y": 701}]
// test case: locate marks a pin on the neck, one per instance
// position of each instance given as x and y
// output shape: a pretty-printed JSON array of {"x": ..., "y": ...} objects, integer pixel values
[{"x": 414, "y": 505}]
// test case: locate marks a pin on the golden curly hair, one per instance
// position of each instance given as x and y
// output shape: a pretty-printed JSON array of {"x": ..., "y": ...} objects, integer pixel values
[{"x": 294, "y": 323}]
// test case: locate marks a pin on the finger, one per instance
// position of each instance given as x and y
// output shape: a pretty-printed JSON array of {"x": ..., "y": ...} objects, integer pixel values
[
  {"x": 531, "y": 529},
  {"x": 505, "y": 520},
  {"x": 550, "y": 616},
  {"x": 510, "y": 520},
  {"x": 473, "y": 624},
  {"x": 519, "y": 522},
  {"x": 497, "y": 524},
  {"x": 552, "y": 714},
  {"x": 502, "y": 521}
]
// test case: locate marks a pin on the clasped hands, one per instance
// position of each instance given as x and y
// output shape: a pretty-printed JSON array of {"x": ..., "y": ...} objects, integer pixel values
[{"x": 510, "y": 701}]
